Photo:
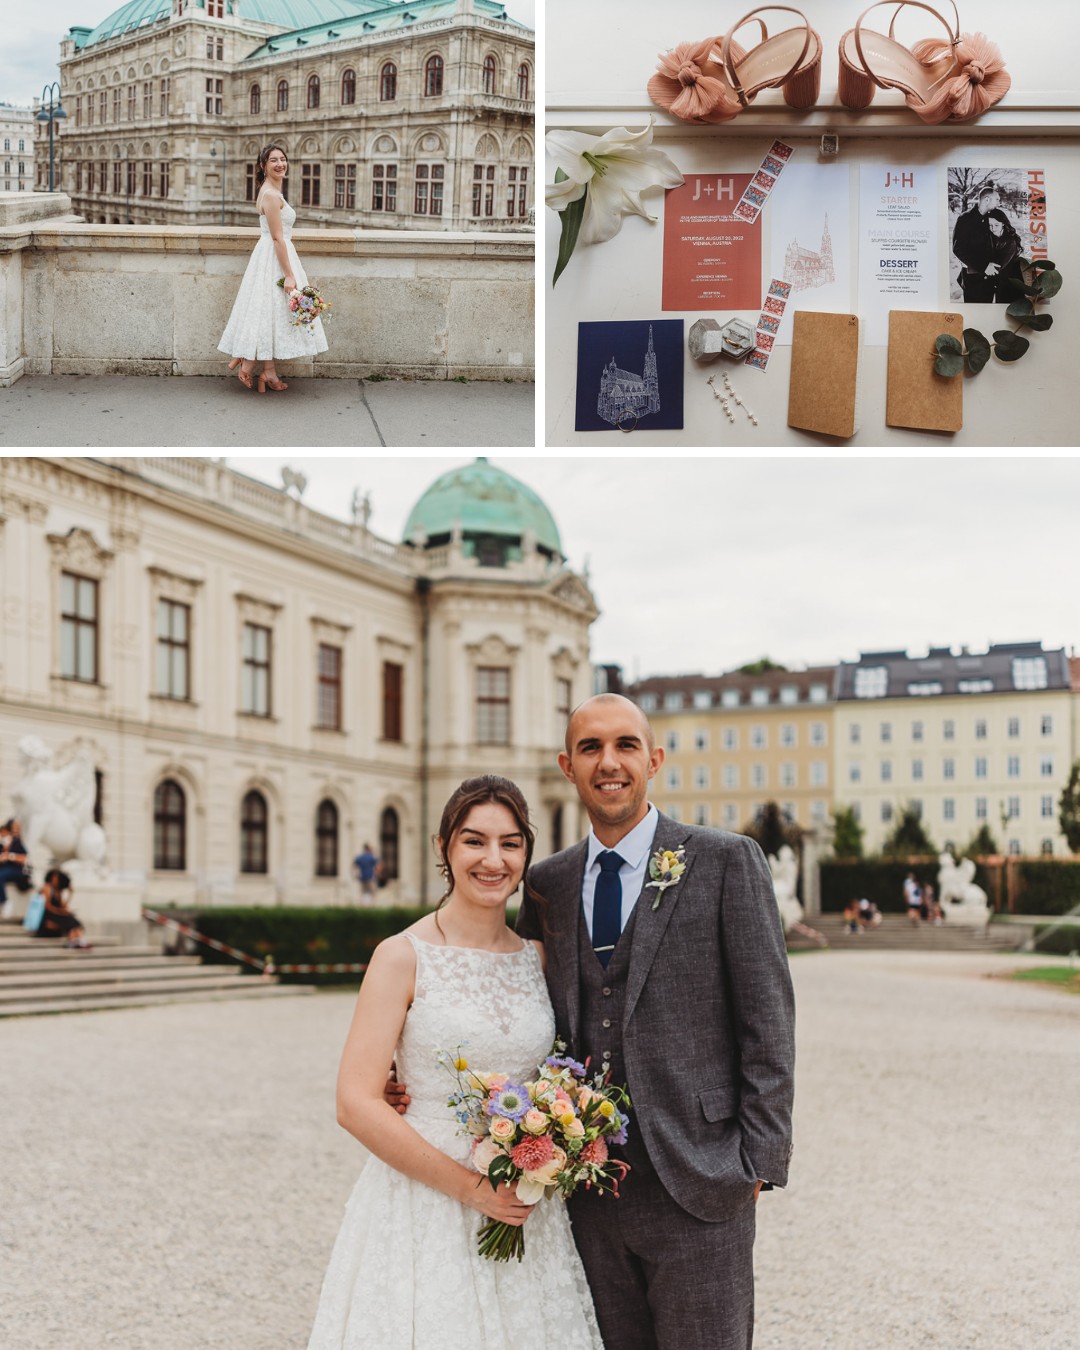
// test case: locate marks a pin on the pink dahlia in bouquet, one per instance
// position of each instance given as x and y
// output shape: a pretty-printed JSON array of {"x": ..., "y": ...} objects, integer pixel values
[
  {"x": 306, "y": 304},
  {"x": 547, "y": 1135}
]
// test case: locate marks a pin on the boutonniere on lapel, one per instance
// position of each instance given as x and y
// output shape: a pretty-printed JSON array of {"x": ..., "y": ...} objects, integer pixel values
[{"x": 666, "y": 867}]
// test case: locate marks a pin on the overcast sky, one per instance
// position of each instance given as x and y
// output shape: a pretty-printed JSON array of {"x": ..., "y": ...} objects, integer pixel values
[
  {"x": 702, "y": 564},
  {"x": 31, "y": 39}
]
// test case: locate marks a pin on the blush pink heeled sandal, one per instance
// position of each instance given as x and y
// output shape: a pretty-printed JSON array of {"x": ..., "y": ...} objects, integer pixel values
[
  {"x": 942, "y": 80},
  {"x": 714, "y": 80}
]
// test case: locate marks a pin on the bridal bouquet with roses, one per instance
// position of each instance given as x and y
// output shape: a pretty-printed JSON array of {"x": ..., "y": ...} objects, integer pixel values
[
  {"x": 544, "y": 1136},
  {"x": 306, "y": 304}
]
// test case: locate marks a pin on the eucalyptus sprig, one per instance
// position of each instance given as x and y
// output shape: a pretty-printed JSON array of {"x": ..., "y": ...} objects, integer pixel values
[{"x": 1039, "y": 280}]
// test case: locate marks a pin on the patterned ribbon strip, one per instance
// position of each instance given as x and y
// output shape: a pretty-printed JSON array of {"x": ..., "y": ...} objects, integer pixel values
[
  {"x": 267, "y": 967},
  {"x": 763, "y": 182},
  {"x": 768, "y": 324}
]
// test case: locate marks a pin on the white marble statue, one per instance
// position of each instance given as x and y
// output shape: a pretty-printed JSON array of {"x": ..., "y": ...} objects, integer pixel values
[
  {"x": 56, "y": 808},
  {"x": 785, "y": 875},
  {"x": 961, "y": 899}
]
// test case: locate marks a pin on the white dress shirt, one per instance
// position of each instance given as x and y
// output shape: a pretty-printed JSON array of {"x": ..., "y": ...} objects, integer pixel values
[{"x": 634, "y": 849}]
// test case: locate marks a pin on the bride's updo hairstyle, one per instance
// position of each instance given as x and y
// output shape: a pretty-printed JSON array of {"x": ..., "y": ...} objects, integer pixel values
[
  {"x": 260, "y": 164},
  {"x": 475, "y": 792}
]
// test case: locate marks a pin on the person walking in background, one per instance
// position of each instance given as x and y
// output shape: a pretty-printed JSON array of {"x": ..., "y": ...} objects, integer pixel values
[
  {"x": 366, "y": 869},
  {"x": 912, "y": 899}
]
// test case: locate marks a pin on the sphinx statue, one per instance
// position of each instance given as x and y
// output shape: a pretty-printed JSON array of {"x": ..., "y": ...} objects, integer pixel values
[
  {"x": 961, "y": 900},
  {"x": 56, "y": 808}
]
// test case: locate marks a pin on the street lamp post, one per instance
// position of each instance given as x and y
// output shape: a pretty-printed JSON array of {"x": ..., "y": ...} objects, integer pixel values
[
  {"x": 55, "y": 112},
  {"x": 224, "y": 166},
  {"x": 127, "y": 182}
]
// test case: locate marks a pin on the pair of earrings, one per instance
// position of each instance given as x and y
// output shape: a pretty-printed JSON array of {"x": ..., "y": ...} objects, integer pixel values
[{"x": 727, "y": 397}]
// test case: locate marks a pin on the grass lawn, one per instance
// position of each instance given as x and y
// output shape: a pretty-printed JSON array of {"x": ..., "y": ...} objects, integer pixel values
[{"x": 1062, "y": 977}]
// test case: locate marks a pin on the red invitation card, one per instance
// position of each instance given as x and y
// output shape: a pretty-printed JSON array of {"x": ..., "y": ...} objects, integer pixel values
[{"x": 712, "y": 259}]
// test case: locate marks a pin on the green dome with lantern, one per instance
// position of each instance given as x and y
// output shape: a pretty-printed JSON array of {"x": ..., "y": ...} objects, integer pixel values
[
  {"x": 287, "y": 14},
  {"x": 492, "y": 510}
]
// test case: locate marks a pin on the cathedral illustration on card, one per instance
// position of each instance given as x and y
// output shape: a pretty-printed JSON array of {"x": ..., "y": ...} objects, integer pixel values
[
  {"x": 623, "y": 392},
  {"x": 805, "y": 269}
]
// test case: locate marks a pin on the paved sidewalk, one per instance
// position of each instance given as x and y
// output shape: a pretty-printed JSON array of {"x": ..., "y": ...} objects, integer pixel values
[
  {"x": 163, "y": 413},
  {"x": 173, "y": 1177}
]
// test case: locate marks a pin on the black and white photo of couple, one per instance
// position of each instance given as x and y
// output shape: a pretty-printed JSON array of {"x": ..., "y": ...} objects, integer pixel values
[{"x": 996, "y": 217}]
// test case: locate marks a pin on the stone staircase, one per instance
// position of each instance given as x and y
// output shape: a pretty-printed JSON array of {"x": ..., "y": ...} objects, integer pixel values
[
  {"x": 895, "y": 933},
  {"x": 39, "y": 975}
]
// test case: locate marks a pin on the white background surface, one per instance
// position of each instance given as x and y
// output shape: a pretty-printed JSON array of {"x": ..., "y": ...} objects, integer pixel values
[{"x": 599, "y": 57}]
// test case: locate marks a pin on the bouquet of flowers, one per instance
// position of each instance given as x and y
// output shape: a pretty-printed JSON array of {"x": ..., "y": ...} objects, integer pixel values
[
  {"x": 307, "y": 305},
  {"x": 550, "y": 1134}
]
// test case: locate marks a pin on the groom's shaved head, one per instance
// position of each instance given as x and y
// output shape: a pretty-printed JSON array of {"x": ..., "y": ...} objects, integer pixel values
[{"x": 628, "y": 704}]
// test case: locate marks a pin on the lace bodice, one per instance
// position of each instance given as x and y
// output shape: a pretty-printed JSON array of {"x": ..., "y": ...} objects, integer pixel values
[
  {"x": 490, "y": 1007},
  {"x": 288, "y": 220}
]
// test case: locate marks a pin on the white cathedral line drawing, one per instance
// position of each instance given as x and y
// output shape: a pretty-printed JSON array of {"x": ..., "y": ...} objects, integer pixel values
[
  {"x": 623, "y": 392},
  {"x": 805, "y": 269}
]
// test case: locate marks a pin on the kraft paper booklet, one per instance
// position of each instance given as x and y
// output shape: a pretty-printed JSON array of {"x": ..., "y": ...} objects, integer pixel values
[
  {"x": 916, "y": 395},
  {"x": 825, "y": 357}
]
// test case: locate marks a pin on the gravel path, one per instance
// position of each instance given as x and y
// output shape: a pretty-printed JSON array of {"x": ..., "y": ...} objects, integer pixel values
[{"x": 173, "y": 1178}]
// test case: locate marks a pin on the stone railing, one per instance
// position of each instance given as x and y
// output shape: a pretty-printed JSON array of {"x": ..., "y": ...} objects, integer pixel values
[{"x": 81, "y": 299}]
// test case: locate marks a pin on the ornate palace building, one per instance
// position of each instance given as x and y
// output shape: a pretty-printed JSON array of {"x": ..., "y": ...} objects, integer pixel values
[
  {"x": 394, "y": 115},
  {"x": 17, "y": 144},
  {"x": 261, "y": 689}
]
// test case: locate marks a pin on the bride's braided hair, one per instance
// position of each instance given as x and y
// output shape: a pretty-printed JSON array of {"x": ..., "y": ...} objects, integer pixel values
[
  {"x": 260, "y": 164},
  {"x": 472, "y": 792}
]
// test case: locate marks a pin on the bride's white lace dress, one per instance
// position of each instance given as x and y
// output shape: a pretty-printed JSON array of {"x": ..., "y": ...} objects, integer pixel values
[
  {"x": 260, "y": 326},
  {"x": 405, "y": 1273}
]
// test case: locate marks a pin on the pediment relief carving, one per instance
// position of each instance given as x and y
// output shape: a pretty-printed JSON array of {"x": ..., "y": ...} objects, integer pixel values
[
  {"x": 493, "y": 648},
  {"x": 252, "y": 609},
  {"x": 78, "y": 551},
  {"x": 573, "y": 591},
  {"x": 168, "y": 585}
]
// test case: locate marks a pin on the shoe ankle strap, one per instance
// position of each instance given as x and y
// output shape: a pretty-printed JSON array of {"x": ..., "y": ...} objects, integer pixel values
[
  {"x": 725, "y": 46},
  {"x": 954, "y": 32}
]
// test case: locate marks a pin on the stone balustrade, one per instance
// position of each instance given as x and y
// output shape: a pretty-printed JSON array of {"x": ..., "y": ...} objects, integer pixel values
[{"x": 79, "y": 299}]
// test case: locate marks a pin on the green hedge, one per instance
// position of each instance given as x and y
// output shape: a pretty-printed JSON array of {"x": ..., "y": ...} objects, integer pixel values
[
  {"x": 298, "y": 935},
  {"x": 1046, "y": 886},
  {"x": 881, "y": 880}
]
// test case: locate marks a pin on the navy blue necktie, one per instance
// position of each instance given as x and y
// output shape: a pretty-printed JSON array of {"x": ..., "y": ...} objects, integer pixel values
[{"x": 607, "y": 907}]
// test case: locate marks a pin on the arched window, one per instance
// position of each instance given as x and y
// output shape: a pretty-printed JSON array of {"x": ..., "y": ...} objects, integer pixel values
[
  {"x": 313, "y": 91},
  {"x": 283, "y": 96},
  {"x": 170, "y": 827},
  {"x": 348, "y": 87},
  {"x": 433, "y": 73},
  {"x": 326, "y": 839},
  {"x": 254, "y": 853},
  {"x": 256, "y": 98},
  {"x": 388, "y": 82},
  {"x": 523, "y": 80},
  {"x": 489, "y": 74},
  {"x": 389, "y": 839}
]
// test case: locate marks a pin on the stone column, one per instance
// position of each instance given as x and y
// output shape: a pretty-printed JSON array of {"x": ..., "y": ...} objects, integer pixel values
[{"x": 11, "y": 311}]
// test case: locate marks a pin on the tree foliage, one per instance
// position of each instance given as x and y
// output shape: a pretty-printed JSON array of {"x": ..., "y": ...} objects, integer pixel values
[
  {"x": 761, "y": 666},
  {"x": 847, "y": 833},
  {"x": 1069, "y": 806},
  {"x": 982, "y": 844},
  {"x": 908, "y": 836},
  {"x": 772, "y": 830}
]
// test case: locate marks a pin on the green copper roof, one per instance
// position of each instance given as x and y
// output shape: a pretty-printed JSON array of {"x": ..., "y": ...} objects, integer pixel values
[
  {"x": 288, "y": 14},
  {"x": 376, "y": 18},
  {"x": 483, "y": 500}
]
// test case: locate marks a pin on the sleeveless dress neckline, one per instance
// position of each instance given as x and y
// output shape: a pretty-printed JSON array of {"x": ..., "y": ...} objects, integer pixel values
[{"x": 405, "y": 1273}]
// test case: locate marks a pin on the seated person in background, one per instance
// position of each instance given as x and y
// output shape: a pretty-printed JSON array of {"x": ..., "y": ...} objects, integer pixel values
[
  {"x": 13, "y": 869},
  {"x": 58, "y": 920},
  {"x": 869, "y": 914},
  {"x": 851, "y": 917}
]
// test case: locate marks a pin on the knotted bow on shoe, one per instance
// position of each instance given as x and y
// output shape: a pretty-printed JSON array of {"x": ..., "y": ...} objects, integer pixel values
[
  {"x": 975, "y": 80},
  {"x": 692, "y": 87}
]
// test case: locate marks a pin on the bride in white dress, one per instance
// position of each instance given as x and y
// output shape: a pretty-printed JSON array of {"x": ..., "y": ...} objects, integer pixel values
[
  {"x": 405, "y": 1273},
  {"x": 260, "y": 327}
]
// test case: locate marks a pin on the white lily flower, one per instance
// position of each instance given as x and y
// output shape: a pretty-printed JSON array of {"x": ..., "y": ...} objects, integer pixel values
[{"x": 614, "y": 169}]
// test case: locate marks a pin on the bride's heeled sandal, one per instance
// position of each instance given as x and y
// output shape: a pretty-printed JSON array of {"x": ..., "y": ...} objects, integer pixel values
[
  {"x": 714, "y": 80},
  {"x": 269, "y": 382},
  {"x": 942, "y": 80},
  {"x": 244, "y": 376}
]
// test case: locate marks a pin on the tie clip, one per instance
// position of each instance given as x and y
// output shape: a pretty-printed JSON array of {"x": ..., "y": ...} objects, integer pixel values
[{"x": 609, "y": 948}]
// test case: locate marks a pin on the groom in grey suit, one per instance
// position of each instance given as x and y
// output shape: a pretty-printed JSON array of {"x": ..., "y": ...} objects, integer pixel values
[{"x": 684, "y": 994}]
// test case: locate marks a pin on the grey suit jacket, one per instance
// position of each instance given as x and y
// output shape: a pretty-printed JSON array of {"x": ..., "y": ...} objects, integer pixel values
[{"x": 709, "y": 1016}]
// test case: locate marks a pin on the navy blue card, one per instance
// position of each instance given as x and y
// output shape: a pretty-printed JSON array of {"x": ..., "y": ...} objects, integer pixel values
[{"x": 630, "y": 376}]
